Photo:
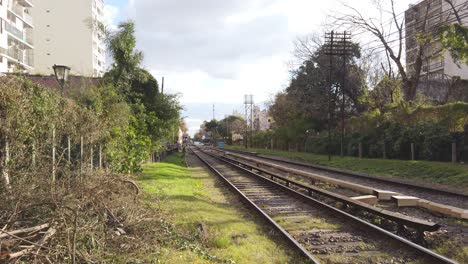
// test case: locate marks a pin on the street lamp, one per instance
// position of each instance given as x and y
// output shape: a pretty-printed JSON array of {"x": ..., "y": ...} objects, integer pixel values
[{"x": 61, "y": 74}]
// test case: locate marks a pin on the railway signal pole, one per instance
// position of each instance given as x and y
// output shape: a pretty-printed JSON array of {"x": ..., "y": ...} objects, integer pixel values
[{"x": 337, "y": 45}]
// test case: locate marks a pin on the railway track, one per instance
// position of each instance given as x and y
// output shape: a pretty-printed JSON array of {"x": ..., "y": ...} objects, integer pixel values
[
  {"x": 319, "y": 231},
  {"x": 439, "y": 195}
]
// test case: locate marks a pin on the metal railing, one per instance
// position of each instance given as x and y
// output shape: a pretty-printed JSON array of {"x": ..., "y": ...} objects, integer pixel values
[
  {"x": 22, "y": 12},
  {"x": 435, "y": 66},
  {"x": 25, "y": 35},
  {"x": 14, "y": 31},
  {"x": 21, "y": 56}
]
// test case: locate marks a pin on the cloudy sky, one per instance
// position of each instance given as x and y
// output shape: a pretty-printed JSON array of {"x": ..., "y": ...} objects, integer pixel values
[{"x": 215, "y": 51}]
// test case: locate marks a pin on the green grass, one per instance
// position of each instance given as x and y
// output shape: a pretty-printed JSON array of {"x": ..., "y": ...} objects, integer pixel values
[
  {"x": 451, "y": 175},
  {"x": 194, "y": 198}
]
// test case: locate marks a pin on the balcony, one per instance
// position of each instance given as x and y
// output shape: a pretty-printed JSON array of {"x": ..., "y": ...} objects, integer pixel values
[
  {"x": 23, "y": 57},
  {"x": 433, "y": 67},
  {"x": 22, "y": 14},
  {"x": 25, "y": 36},
  {"x": 26, "y": 3}
]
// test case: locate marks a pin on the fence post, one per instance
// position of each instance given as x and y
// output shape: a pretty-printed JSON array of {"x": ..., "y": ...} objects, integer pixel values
[
  {"x": 412, "y": 151},
  {"x": 454, "y": 152},
  {"x": 69, "y": 149},
  {"x": 100, "y": 156},
  {"x": 53, "y": 153},
  {"x": 33, "y": 158},
  {"x": 6, "y": 175},
  {"x": 81, "y": 154},
  {"x": 91, "y": 160},
  {"x": 384, "y": 149},
  {"x": 360, "y": 150}
]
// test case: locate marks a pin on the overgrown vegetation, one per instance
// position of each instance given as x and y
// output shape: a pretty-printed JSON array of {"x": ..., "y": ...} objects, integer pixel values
[
  {"x": 56, "y": 206},
  {"x": 378, "y": 103},
  {"x": 454, "y": 175}
]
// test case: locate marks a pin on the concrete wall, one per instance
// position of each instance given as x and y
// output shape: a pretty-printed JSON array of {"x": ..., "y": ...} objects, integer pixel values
[{"x": 63, "y": 36}]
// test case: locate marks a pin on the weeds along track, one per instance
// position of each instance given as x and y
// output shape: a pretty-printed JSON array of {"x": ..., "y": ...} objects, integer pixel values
[
  {"x": 435, "y": 194},
  {"x": 322, "y": 233}
]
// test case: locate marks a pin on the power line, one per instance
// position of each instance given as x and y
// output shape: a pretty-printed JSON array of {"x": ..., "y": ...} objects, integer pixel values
[{"x": 422, "y": 22}]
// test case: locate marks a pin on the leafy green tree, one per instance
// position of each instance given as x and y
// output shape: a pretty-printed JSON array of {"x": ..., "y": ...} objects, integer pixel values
[
  {"x": 454, "y": 37},
  {"x": 455, "y": 40},
  {"x": 154, "y": 117}
]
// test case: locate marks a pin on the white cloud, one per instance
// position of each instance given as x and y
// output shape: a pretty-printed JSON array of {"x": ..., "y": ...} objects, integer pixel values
[
  {"x": 111, "y": 13},
  {"x": 214, "y": 51}
]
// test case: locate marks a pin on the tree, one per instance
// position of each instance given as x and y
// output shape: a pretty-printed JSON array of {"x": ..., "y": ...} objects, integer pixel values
[
  {"x": 155, "y": 117},
  {"x": 310, "y": 87},
  {"x": 382, "y": 32},
  {"x": 454, "y": 37}
]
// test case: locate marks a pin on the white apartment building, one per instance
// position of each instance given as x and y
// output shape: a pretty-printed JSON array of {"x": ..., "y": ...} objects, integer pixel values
[
  {"x": 260, "y": 119},
  {"x": 429, "y": 16},
  {"x": 16, "y": 36},
  {"x": 67, "y": 33}
]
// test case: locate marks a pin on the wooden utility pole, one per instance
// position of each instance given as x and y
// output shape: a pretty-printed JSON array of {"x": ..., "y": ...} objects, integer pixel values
[
  {"x": 330, "y": 44},
  {"x": 337, "y": 44}
]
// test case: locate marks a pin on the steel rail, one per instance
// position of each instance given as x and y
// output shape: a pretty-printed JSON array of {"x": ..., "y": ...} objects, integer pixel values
[
  {"x": 425, "y": 251},
  {"x": 400, "y": 219},
  {"x": 251, "y": 204},
  {"x": 352, "y": 173}
]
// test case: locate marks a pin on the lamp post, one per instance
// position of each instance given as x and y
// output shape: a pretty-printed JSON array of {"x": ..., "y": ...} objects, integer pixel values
[{"x": 61, "y": 74}]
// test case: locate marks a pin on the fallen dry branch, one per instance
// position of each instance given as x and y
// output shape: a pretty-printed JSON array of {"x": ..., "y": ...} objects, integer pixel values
[
  {"x": 13, "y": 233},
  {"x": 41, "y": 243},
  {"x": 85, "y": 216}
]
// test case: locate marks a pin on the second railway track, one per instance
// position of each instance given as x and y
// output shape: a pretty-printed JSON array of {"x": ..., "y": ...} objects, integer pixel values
[
  {"x": 436, "y": 194},
  {"x": 322, "y": 233}
]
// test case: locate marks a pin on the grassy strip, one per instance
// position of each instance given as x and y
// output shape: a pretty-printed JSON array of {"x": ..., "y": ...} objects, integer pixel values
[
  {"x": 451, "y": 175},
  {"x": 194, "y": 199}
]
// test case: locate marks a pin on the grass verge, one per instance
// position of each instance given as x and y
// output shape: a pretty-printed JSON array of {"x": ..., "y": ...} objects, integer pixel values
[
  {"x": 211, "y": 226},
  {"x": 451, "y": 175}
]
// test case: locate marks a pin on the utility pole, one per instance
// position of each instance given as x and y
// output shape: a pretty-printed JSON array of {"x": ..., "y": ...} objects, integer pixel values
[
  {"x": 248, "y": 102},
  {"x": 338, "y": 44},
  {"x": 214, "y": 112},
  {"x": 162, "y": 85},
  {"x": 329, "y": 38}
]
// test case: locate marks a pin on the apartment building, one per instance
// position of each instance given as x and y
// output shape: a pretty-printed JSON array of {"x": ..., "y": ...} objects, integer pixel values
[
  {"x": 67, "y": 33},
  {"x": 16, "y": 36},
  {"x": 260, "y": 119},
  {"x": 429, "y": 16}
]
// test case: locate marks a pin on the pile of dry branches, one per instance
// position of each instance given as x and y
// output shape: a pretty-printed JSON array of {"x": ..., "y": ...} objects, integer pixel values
[{"x": 84, "y": 219}]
